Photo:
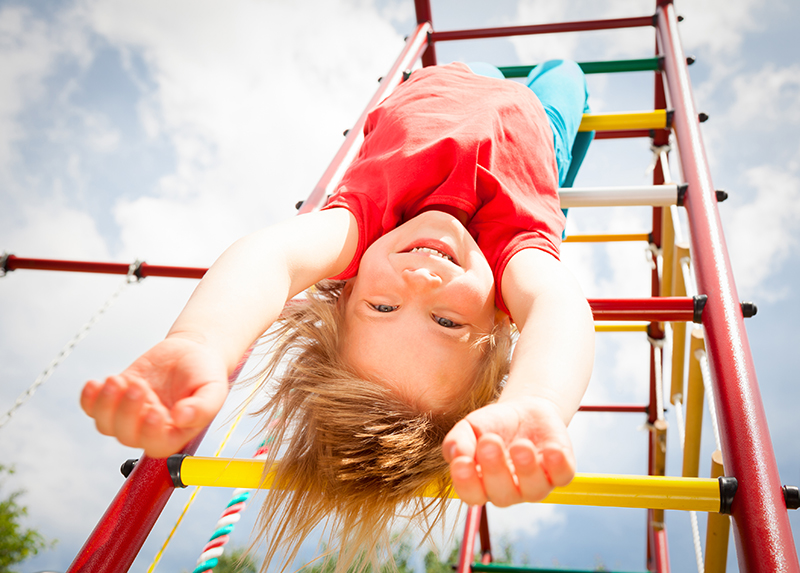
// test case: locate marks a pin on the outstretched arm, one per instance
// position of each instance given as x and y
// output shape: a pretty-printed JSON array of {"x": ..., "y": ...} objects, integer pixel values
[
  {"x": 518, "y": 449},
  {"x": 174, "y": 390}
]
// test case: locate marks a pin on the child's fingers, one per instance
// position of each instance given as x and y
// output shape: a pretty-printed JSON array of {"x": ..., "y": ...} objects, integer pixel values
[
  {"x": 497, "y": 472},
  {"x": 559, "y": 464},
  {"x": 127, "y": 420},
  {"x": 460, "y": 441},
  {"x": 533, "y": 481},
  {"x": 466, "y": 481},
  {"x": 199, "y": 410},
  {"x": 105, "y": 405},
  {"x": 88, "y": 395}
]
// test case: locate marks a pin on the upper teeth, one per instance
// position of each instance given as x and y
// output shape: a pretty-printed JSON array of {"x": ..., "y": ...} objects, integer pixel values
[{"x": 432, "y": 252}]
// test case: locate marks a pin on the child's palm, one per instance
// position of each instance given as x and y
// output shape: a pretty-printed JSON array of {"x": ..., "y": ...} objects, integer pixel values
[
  {"x": 162, "y": 400},
  {"x": 509, "y": 452}
]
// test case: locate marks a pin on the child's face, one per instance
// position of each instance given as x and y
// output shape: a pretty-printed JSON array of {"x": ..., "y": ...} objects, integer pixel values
[{"x": 412, "y": 316}]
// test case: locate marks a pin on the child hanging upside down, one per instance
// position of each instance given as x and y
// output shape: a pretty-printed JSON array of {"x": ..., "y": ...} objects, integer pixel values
[{"x": 394, "y": 375}]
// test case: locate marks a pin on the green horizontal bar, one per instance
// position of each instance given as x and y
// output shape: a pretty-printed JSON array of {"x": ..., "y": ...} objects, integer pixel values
[
  {"x": 500, "y": 568},
  {"x": 610, "y": 67}
]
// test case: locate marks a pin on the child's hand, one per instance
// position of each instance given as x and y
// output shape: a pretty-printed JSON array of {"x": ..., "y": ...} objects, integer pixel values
[
  {"x": 162, "y": 400},
  {"x": 509, "y": 452}
]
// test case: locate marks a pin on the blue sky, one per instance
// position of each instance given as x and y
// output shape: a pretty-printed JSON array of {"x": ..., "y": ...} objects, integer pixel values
[{"x": 164, "y": 131}]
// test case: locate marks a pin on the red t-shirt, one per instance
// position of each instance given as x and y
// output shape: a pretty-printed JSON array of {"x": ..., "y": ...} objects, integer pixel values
[{"x": 452, "y": 138}]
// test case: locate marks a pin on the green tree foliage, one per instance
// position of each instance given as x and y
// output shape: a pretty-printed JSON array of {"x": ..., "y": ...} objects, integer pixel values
[
  {"x": 236, "y": 561},
  {"x": 16, "y": 543}
]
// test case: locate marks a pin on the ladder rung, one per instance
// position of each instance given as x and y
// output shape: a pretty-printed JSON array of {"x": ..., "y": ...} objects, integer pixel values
[
  {"x": 606, "y": 490},
  {"x": 504, "y": 568},
  {"x": 607, "y": 67},
  {"x": 607, "y": 238},
  {"x": 655, "y": 309},
  {"x": 636, "y": 196},
  {"x": 656, "y": 119},
  {"x": 620, "y": 327}
]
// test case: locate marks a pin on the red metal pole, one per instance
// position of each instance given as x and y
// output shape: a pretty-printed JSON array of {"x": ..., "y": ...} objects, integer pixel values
[
  {"x": 424, "y": 14},
  {"x": 761, "y": 524},
  {"x": 656, "y": 309},
  {"x": 558, "y": 27},
  {"x": 630, "y": 133},
  {"x": 471, "y": 527},
  {"x": 415, "y": 46},
  {"x": 142, "y": 270},
  {"x": 119, "y": 535}
]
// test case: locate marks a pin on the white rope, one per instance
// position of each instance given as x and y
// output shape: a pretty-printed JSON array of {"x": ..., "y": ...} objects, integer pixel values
[
  {"x": 712, "y": 408},
  {"x": 698, "y": 549},
  {"x": 70, "y": 346}
]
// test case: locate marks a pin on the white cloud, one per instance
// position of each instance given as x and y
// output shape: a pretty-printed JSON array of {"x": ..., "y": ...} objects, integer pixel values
[{"x": 762, "y": 234}]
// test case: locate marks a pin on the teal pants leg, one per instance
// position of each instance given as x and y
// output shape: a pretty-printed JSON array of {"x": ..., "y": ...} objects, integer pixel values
[{"x": 561, "y": 87}]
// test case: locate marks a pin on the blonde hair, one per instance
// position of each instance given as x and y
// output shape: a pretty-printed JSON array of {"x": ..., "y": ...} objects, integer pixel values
[{"x": 353, "y": 452}]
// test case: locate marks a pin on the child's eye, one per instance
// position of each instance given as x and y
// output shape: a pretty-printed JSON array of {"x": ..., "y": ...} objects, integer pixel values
[
  {"x": 384, "y": 307},
  {"x": 446, "y": 322}
]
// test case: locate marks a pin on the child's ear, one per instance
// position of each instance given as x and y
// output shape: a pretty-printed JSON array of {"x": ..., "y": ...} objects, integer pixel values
[{"x": 346, "y": 290}]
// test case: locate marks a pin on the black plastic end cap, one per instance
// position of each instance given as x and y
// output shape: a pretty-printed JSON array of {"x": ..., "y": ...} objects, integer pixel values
[
  {"x": 406, "y": 74},
  {"x": 174, "y": 463},
  {"x": 727, "y": 490},
  {"x": 380, "y": 79},
  {"x": 791, "y": 495},
  {"x": 660, "y": 59},
  {"x": 702, "y": 117},
  {"x": 682, "y": 188},
  {"x": 690, "y": 60},
  {"x": 749, "y": 309},
  {"x": 345, "y": 132},
  {"x": 721, "y": 195},
  {"x": 670, "y": 117},
  {"x": 298, "y": 205},
  {"x": 680, "y": 18},
  {"x": 127, "y": 466},
  {"x": 700, "y": 301}
]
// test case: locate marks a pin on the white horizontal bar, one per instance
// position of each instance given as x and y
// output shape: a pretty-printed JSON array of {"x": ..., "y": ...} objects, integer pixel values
[{"x": 645, "y": 195}]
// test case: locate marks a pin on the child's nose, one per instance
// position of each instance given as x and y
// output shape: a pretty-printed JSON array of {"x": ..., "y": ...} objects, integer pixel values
[{"x": 422, "y": 279}]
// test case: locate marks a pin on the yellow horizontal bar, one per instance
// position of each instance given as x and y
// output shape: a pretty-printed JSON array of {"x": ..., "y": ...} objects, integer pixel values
[
  {"x": 623, "y": 327},
  {"x": 607, "y": 490},
  {"x": 607, "y": 238},
  {"x": 618, "y": 121}
]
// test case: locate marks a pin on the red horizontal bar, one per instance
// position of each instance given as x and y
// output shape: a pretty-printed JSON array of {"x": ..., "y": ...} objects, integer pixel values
[
  {"x": 143, "y": 270},
  {"x": 629, "y": 133},
  {"x": 656, "y": 309},
  {"x": 624, "y": 408},
  {"x": 610, "y": 24},
  {"x": 659, "y": 309}
]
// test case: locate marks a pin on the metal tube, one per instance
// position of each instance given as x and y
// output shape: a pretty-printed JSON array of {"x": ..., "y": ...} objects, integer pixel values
[
  {"x": 607, "y": 67},
  {"x": 630, "y": 133},
  {"x": 762, "y": 530},
  {"x": 657, "y": 119},
  {"x": 695, "y": 395},
  {"x": 620, "y": 408},
  {"x": 678, "y": 328},
  {"x": 143, "y": 269},
  {"x": 620, "y": 327},
  {"x": 656, "y": 309},
  {"x": 634, "y": 196},
  {"x": 606, "y": 490},
  {"x": 717, "y": 529},
  {"x": 424, "y": 14},
  {"x": 607, "y": 238},
  {"x": 415, "y": 45},
  {"x": 609, "y": 24},
  {"x": 471, "y": 527}
]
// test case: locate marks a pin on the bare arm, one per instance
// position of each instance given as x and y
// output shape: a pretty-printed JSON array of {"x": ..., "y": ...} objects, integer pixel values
[
  {"x": 518, "y": 449},
  {"x": 171, "y": 392}
]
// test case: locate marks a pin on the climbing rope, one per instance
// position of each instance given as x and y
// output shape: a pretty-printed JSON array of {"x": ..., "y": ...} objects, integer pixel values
[{"x": 70, "y": 346}]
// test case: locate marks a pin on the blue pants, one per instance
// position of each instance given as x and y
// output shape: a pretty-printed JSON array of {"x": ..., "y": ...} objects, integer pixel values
[{"x": 561, "y": 87}]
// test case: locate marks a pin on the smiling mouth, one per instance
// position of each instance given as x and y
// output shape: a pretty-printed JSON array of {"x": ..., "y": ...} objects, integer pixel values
[{"x": 432, "y": 252}]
